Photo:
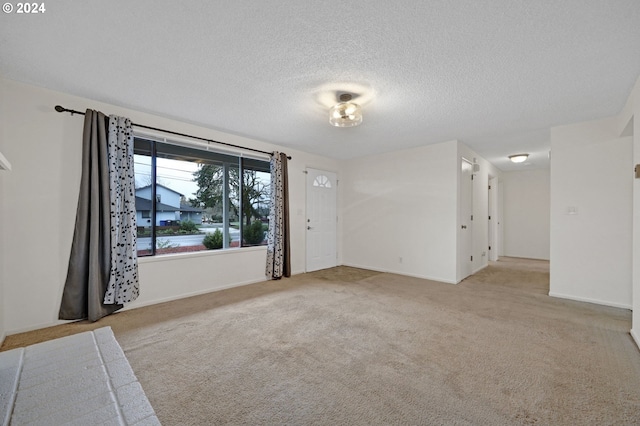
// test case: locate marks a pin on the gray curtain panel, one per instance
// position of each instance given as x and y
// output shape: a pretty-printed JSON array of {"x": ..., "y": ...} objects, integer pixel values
[
  {"x": 123, "y": 281},
  {"x": 278, "y": 251},
  {"x": 90, "y": 259}
]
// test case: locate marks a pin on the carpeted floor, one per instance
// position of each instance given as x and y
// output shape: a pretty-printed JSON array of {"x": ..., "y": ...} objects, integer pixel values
[{"x": 349, "y": 346}]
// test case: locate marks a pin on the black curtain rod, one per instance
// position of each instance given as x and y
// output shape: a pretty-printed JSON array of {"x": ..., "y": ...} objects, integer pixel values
[{"x": 72, "y": 111}]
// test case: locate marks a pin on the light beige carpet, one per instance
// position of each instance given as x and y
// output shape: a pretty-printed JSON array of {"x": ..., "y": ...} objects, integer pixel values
[{"x": 349, "y": 346}]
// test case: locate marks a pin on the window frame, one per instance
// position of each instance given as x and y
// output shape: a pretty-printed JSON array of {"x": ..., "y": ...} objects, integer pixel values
[{"x": 170, "y": 149}]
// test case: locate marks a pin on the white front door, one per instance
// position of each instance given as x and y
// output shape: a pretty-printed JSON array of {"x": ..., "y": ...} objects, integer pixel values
[{"x": 321, "y": 219}]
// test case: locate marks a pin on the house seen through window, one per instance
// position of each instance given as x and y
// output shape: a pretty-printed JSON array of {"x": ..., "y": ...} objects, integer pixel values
[{"x": 204, "y": 200}]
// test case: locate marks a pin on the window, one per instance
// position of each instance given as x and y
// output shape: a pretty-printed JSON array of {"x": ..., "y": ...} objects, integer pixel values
[
  {"x": 322, "y": 181},
  {"x": 204, "y": 200}
]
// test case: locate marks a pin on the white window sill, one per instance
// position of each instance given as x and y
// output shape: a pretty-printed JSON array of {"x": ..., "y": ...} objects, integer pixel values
[{"x": 203, "y": 253}]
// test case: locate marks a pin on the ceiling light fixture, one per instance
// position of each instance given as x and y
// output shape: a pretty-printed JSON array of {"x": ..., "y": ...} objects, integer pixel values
[
  {"x": 345, "y": 113},
  {"x": 519, "y": 158}
]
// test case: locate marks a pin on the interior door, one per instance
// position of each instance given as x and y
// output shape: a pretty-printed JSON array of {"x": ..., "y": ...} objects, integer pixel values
[
  {"x": 493, "y": 219},
  {"x": 466, "y": 220},
  {"x": 321, "y": 219}
]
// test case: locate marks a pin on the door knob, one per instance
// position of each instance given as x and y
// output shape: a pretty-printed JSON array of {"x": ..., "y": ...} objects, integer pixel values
[{"x": 309, "y": 228}]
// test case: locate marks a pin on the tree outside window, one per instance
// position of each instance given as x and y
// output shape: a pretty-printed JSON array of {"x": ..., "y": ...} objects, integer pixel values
[{"x": 199, "y": 193}]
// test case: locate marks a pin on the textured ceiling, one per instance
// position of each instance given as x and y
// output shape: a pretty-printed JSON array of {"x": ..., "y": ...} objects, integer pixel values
[{"x": 495, "y": 75}]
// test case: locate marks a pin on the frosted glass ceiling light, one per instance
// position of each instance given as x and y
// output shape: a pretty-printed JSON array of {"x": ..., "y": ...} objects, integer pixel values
[
  {"x": 519, "y": 158},
  {"x": 345, "y": 114}
]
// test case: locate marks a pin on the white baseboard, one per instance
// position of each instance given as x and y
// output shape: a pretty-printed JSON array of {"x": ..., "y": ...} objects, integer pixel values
[
  {"x": 635, "y": 337},
  {"x": 407, "y": 274},
  {"x": 198, "y": 293},
  {"x": 475, "y": 271},
  {"x": 135, "y": 305},
  {"x": 515, "y": 256},
  {"x": 37, "y": 327},
  {"x": 588, "y": 300}
]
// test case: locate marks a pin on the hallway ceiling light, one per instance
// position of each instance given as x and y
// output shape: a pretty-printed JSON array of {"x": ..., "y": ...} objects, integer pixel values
[
  {"x": 345, "y": 113},
  {"x": 519, "y": 158}
]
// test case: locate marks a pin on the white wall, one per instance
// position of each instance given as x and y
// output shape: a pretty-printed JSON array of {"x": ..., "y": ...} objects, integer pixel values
[
  {"x": 402, "y": 205},
  {"x": 40, "y": 197},
  {"x": 591, "y": 251},
  {"x": 526, "y": 220}
]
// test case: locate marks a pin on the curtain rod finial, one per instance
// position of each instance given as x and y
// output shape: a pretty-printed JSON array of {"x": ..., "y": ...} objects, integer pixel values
[{"x": 59, "y": 108}]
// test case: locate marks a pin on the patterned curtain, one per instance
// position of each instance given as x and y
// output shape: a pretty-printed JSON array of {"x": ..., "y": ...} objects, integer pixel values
[
  {"x": 123, "y": 280},
  {"x": 278, "y": 252},
  {"x": 91, "y": 263}
]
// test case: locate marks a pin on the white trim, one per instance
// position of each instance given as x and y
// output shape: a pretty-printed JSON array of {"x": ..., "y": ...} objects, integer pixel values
[
  {"x": 515, "y": 256},
  {"x": 38, "y": 327},
  {"x": 636, "y": 337},
  {"x": 475, "y": 271},
  {"x": 4, "y": 163},
  {"x": 588, "y": 300},
  {"x": 143, "y": 304},
  {"x": 194, "y": 293},
  {"x": 191, "y": 294},
  {"x": 390, "y": 271},
  {"x": 202, "y": 253}
]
